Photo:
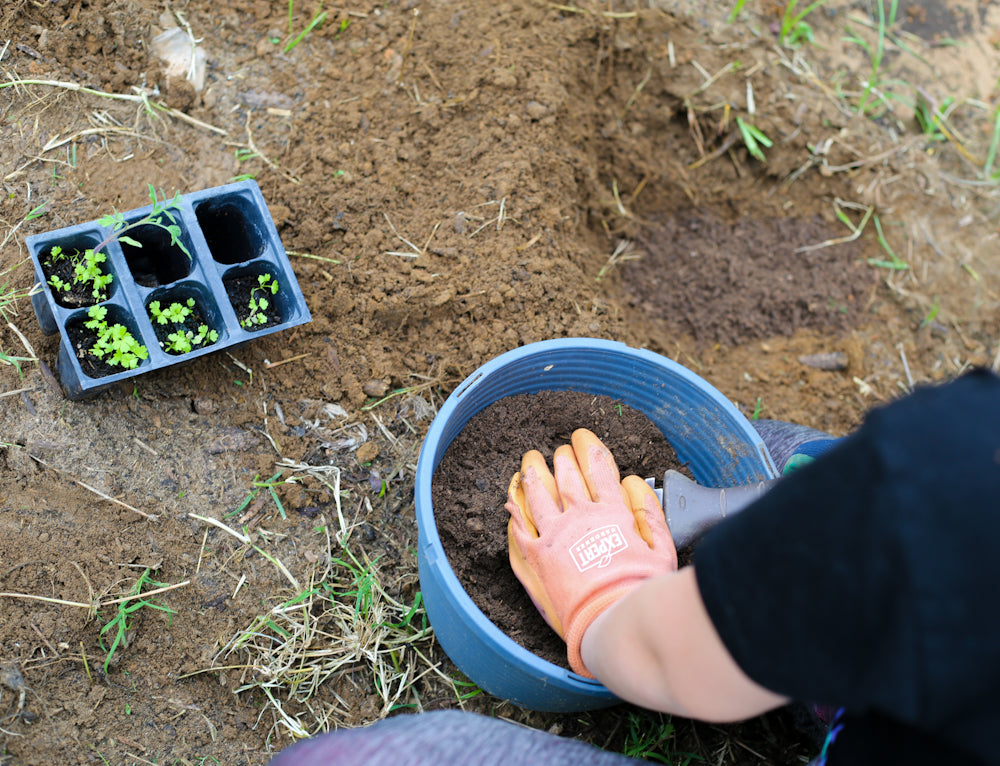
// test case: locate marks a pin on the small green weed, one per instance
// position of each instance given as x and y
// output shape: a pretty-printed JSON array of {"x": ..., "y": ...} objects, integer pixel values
[
  {"x": 318, "y": 18},
  {"x": 245, "y": 155},
  {"x": 37, "y": 212},
  {"x": 114, "y": 341},
  {"x": 875, "y": 54},
  {"x": 15, "y": 361},
  {"x": 931, "y": 119},
  {"x": 932, "y": 314},
  {"x": 895, "y": 262},
  {"x": 794, "y": 28},
  {"x": 364, "y": 586},
  {"x": 753, "y": 139},
  {"x": 465, "y": 690},
  {"x": 9, "y": 297},
  {"x": 648, "y": 738},
  {"x": 258, "y": 484},
  {"x": 119, "y": 625},
  {"x": 988, "y": 172}
]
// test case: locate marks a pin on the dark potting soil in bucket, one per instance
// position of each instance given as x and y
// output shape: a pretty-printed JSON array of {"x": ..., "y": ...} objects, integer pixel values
[{"x": 469, "y": 490}]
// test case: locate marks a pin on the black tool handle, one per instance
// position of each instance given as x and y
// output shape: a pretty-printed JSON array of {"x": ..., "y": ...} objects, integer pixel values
[{"x": 692, "y": 509}]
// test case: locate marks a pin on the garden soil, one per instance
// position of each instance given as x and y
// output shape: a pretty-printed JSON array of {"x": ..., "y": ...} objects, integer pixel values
[
  {"x": 471, "y": 482},
  {"x": 452, "y": 179}
]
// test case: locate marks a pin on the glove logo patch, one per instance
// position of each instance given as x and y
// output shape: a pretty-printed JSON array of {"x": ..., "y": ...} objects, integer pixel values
[{"x": 596, "y": 548}]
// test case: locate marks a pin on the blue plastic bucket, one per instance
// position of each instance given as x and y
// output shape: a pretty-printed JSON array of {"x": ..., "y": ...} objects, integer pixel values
[{"x": 707, "y": 431}]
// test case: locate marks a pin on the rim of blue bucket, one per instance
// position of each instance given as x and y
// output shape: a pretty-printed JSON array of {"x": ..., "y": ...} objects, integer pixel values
[{"x": 427, "y": 464}]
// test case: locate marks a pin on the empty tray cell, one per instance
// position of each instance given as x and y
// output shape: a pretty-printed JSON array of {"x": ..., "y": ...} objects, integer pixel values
[
  {"x": 159, "y": 260},
  {"x": 260, "y": 296},
  {"x": 185, "y": 318},
  {"x": 74, "y": 273},
  {"x": 105, "y": 341},
  {"x": 232, "y": 229}
]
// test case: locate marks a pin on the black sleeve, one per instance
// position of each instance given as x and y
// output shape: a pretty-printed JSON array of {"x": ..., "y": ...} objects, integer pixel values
[{"x": 870, "y": 579}]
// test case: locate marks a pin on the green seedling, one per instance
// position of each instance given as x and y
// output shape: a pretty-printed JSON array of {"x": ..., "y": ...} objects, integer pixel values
[
  {"x": 245, "y": 155},
  {"x": 931, "y": 119},
  {"x": 37, "y": 212},
  {"x": 364, "y": 585},
  {"x": 317, "y": 20},
  {"x": 158, "y": 216},
  {"x": 753, "y": 139},
  {"x": 794, "y": 29},
  {"x": 895, "y": 262},
  {"x": 875, "y": 54},
  {"x": 258, "y": 303},
  {"x": 465, "y": 690},
  {"x": 9, "y": 297},
  {"x": 115, "y": 345},
  {"x": 181, "y": 340},
  {"x": 258, "y": 485},
  {"x": 58, "y": 285},
  {"x": 87, "y": 270},
  {"x": 988, "y": 172},
  {"x": 87, "y": 264},
  {"x": 175, "y": 312},
  {"x": 15, "y": 361},
  {"x": 119, "y": 625},
  {"x": 649, "y": 740},
  {"x": 932, "y": 314},
  {"x": 736, "y": 10}
]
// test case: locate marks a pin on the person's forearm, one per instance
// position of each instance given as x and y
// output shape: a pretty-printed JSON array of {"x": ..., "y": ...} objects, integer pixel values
[{"x": 657, "y": 648}]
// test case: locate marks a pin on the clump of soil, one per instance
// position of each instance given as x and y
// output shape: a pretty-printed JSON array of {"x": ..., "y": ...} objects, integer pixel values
[{"x": 470, "y": 488}]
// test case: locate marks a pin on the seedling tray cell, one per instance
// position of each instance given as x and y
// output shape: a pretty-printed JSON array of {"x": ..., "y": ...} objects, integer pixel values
[{"x": 232, "y": 241}]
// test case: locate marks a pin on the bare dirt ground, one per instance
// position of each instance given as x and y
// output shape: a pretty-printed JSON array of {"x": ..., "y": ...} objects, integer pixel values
[{"x": 453, "y": 178}]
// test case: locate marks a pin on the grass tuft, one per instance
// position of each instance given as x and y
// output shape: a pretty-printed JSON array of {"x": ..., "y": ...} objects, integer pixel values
[
  {"x": 340, "y": 632},
  {"x": 119, "y": 625}
]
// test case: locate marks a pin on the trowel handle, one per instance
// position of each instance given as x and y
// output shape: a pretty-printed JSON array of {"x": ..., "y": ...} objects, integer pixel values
[{"x": 691, "y": 508}]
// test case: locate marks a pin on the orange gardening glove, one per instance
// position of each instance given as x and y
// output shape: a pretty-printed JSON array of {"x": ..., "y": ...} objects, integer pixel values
[{"x": 581, "y": 540}]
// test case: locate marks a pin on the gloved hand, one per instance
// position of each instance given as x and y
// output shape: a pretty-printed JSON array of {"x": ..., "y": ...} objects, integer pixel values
[{"x": 582, "y": 539}]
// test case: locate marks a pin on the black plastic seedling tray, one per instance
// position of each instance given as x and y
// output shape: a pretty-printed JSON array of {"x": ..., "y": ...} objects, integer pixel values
[{"x": 232, "y": 242}]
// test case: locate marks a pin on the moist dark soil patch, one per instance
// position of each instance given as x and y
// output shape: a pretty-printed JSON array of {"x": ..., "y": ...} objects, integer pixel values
[
  {"x": 470, "y": 488},
  {"x": 79, "y": 293},
  {"x": 240, "y": 290},
  {"x": 191, "y": 323},
  {"x": 729, "y": 283}
]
